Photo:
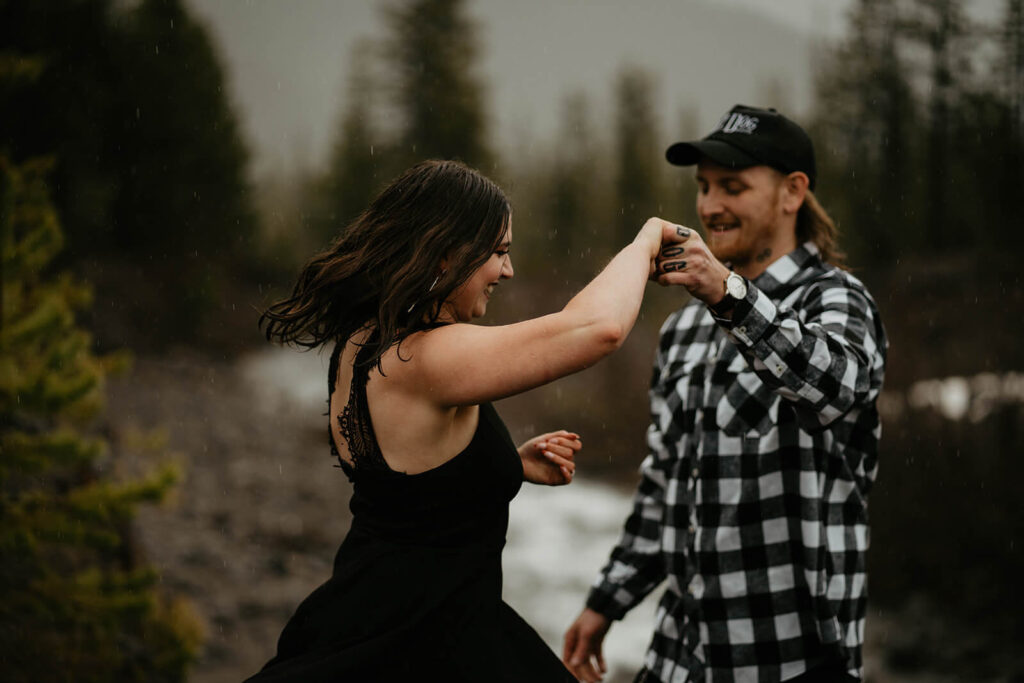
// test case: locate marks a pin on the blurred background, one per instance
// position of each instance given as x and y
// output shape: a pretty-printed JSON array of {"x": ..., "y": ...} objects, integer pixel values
[{"x": 166, "y": 166}]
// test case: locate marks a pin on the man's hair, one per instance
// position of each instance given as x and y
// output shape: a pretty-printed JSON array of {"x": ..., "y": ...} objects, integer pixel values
[{"x": 815, "y": 225}]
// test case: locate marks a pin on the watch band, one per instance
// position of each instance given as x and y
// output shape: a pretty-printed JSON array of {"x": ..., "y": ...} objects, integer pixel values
[{"x": 724, "y": 306}]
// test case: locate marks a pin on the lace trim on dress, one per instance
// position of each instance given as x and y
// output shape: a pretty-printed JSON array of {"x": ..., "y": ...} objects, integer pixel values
[{"x": 354, "y": 422}]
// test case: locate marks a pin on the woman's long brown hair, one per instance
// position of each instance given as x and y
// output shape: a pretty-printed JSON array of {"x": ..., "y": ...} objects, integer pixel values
[{"x": 384, "y": 272}]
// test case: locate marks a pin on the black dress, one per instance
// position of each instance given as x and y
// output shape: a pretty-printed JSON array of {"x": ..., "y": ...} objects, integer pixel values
[{"x": 416, "y": 590}]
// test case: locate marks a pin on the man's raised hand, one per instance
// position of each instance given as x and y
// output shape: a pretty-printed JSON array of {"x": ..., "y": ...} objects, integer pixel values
[{"x": 687, "y": 261}]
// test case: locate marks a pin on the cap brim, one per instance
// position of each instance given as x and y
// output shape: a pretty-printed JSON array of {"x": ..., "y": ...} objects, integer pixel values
[{"x": 689, "y": 153}]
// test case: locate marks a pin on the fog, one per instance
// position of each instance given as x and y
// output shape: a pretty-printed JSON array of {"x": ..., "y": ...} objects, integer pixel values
[{"x": 287, "y": 61}]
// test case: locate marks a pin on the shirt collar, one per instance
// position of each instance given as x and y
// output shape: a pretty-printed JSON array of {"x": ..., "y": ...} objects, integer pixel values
[{"x": 789, "y": 269}]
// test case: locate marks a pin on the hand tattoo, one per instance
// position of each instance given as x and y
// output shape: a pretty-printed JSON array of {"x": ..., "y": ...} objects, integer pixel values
[
  {"x": 673, "y": 266},
  {"x": 669, "y": 252},
  {"x": 682, "y": 232}
]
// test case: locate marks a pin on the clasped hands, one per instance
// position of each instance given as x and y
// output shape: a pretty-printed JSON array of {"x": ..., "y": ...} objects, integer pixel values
[{"x": 681, "y": 257}]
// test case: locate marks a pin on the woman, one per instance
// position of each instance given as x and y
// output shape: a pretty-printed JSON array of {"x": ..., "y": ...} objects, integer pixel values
[{"x": 416, "y": 588}]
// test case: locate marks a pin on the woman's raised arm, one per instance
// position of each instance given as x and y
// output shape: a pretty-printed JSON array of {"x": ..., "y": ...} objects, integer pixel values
[{"x": 464, "y": 364}]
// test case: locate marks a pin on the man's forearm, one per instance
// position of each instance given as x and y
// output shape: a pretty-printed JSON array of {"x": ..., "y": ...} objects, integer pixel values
[{"x": 827, "y": 363}]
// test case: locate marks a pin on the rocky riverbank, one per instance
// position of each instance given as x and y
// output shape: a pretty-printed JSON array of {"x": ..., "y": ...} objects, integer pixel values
[{"x": 254, "y": 523}]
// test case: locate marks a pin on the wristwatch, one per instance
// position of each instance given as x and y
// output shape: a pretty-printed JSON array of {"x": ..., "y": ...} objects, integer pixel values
[{"x": 735, "y": 289}]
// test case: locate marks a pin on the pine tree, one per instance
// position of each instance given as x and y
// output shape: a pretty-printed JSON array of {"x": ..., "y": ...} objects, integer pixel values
[
  {"x": 569, "y": 209},
  {"x": 637, "y": 152},
  {"x": 680, "y": 186},
  {"x": 74, "y": 604},
  {"x": 941, "y": 26},
  {"x": 865, "y": 135},
  {"x": 1012, "y": 47},
  {"x": 357, "y": 165},
  {"x": 1013, "y": 62},
  {"x": 182, "y": 169},
  {"x": 432, "y": 50},
  {"x": 68, "y": 109},
  {"x": 150, "y": 166}
]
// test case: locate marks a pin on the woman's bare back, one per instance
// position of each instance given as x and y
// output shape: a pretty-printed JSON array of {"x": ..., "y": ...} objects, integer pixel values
[{"x": 412, "y": 433}]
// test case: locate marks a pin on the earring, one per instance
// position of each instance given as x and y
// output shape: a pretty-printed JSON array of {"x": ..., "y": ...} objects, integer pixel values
[{"x": 429, "y": 289}]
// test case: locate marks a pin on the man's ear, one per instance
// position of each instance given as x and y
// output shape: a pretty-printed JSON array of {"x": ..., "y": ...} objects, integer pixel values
[{"x": 794, "y": 189}]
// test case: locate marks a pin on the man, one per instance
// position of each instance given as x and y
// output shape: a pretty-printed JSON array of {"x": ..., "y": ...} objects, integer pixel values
[{"x": 764, "y": 434}]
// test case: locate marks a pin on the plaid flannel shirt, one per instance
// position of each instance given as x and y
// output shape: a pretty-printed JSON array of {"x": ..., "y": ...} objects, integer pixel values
[{"x": 752, "y": 502}]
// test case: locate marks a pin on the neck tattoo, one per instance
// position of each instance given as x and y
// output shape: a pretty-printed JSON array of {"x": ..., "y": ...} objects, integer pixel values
[{"x": 764, "y": 255}]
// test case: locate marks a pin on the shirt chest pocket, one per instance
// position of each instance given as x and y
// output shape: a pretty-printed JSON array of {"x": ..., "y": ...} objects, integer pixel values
[{"x": 746, "y": 406}]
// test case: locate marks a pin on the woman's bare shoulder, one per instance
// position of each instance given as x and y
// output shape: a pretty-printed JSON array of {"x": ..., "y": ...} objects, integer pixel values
[{"x": 416, "y": 348}]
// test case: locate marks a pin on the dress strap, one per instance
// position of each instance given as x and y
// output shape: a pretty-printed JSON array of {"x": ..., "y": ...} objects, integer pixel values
[{"x": 332, "y": 369}]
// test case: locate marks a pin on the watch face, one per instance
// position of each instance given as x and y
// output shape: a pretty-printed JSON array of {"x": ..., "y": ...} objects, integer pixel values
[{"x": 736, "y": 286}]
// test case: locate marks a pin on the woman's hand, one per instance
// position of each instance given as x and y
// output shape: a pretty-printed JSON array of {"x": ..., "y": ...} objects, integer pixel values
[
  {"x": 548, "y": 458},
  {"x": 658, "y": 234}
]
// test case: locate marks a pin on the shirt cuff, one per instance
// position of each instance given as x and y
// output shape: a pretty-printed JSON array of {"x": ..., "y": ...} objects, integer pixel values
[
  {"x": 603, "y": 602},
  {"x": 751, "y": 317}
]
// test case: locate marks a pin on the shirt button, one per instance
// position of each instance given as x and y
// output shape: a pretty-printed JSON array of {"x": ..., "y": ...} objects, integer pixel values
[
  {"x": 742, "y": 329},
  {"x": 692, "y": 529},
  {"x": 779, "y": 368},
  {"x": 695, "y": 473}
]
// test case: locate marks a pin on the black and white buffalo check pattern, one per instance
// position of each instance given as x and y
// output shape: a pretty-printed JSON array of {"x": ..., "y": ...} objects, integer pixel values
[{"x": 753, "y": 499}]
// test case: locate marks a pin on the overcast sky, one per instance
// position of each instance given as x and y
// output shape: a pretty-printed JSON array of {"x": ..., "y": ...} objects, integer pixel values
[{"x": 288, "y": 61}]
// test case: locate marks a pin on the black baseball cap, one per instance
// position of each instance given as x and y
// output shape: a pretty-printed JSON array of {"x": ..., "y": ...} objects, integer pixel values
[{"x": 750, "y": 136}]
